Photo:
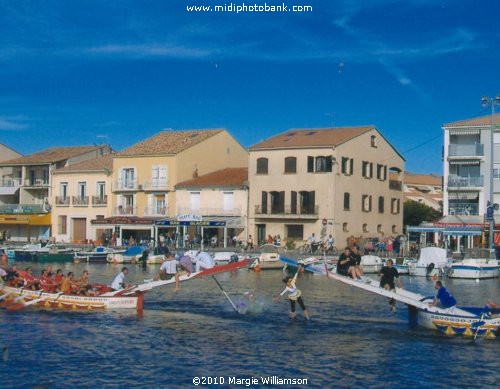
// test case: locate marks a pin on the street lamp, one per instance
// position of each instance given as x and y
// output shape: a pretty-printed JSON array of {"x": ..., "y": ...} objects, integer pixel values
[{"x": 488, "y": 101}]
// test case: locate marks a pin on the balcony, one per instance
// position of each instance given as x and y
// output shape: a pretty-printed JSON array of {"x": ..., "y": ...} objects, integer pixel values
[
  {"x": 465, "y": 151},
  {"x": 288, "y": 212},
  {"x": 123, "y": 210},
  {"x": 62, "y": 201},
  {"x": 99, "y": 201},
  {"x": 160, "y": 185},
  {"x": 155, "y": 211},
  {"x": 21, "y": 209},
  {"x": 209, "y": 211},
  {"x": 37, "y": 183},
  {"x": 10, "y": 183},
  {"x": 80, "y": 201},
  {"x": 125, "y": 185},
  {"x": 458, "y": 182},
  {"x": 463, "y": 209},
  {"x": 395, "y": 185}
]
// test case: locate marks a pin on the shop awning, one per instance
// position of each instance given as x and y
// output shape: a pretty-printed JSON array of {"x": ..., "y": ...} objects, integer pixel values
[
  {"x": 461, "y": 162},
  {"x": 463, "y": 195},
  {"x": 207, "y": 221},
  {"x": 424, "y": 229},
  {"x": 465, "y": 131},
  {"x": 8, "y": 190},
  {"x": 463, "y": 230}
]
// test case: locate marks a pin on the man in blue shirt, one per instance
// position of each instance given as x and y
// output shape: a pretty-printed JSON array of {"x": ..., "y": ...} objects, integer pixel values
[{"x": 443, "y": 298}]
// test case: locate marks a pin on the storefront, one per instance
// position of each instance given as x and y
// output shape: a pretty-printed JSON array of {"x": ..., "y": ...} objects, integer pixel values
[
  {"x": 122, "y": 230},
  {"x": 25, "y": 227}
]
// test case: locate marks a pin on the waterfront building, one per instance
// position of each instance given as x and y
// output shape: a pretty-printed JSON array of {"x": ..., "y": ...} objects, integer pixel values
[
  {"x": 325, "y": 181},
  {"x": 81, "y": 193},
  {"x": 426, "y": 189},
  {"x": 25, "y": 214},
  {"x": 145, "y": 176},
  {"x": 467, "y": 162},
  {"x": 217, "y": 205}
]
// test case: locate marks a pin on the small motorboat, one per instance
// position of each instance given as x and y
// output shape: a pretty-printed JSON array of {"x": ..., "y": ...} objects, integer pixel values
[
  {"x": 371, "y": 263},
  {"x": 132, "y": 254},
  {"x": 474, "y": 268},
  {"x": 99, "y": 254},
  {"x": 268, "y": 259},
  {"x": 433, "y": 261}
]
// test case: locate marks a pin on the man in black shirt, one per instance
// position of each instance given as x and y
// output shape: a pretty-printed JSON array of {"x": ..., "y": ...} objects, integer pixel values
[
  {"x": 344, "y": 262},
  {"x": 389, "y": 274}
]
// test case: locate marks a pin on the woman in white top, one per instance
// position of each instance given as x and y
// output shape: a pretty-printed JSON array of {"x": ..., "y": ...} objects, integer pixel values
[{"x": 294, "y": 295}]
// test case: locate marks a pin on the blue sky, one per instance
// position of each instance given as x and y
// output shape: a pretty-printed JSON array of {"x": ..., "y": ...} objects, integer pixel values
[{"x": 84, "y": 72}]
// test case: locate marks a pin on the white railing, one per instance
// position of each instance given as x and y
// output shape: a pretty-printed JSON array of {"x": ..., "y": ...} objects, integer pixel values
[
  {"x": 155, "y": 184},
  {"x": 208, "y": 211},
  {"x": 155, "y": 211},
  {"x": 124, "y": 210},
  {"x": 122, "y": 184}
]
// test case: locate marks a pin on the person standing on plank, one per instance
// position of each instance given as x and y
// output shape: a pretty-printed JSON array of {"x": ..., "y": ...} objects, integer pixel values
[
  {"x": 294, "y": 295},
  {"x": 388, "y": 274}
]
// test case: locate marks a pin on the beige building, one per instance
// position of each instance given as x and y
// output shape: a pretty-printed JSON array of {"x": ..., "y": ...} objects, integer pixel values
[
  {"x": 219, "y": 202},
  {"x": 27, "y": 217},
  {"x": 325, "y": 181},
  {"x": 424, "y": 188},
  {"x": 145, "y": 176},
  {"x": 81, "y": 193}
]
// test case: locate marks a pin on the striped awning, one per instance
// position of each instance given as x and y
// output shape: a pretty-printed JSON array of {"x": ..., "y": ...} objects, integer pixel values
[
  {"x": 424, "y": 229},
  {"x": 465, "y": 162},
  {"x": 465, "y": 131},
  {"x": 463, "y": 230},
  {"x": 463, "y": 195}
]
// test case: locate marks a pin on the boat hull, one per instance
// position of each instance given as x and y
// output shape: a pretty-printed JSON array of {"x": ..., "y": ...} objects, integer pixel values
[
  {"x": 75, "y": 302},
  {"x": 421, "y": 271},
  {"x": 47, "y": 257},
  {"x": 473, "y": 272}
]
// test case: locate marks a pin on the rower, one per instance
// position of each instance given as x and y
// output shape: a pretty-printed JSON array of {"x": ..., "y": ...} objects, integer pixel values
[{"x": 119, "y": 280}]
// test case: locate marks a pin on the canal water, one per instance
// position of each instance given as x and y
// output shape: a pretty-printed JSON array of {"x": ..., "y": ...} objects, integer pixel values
[{"x": 351, "y": 340}]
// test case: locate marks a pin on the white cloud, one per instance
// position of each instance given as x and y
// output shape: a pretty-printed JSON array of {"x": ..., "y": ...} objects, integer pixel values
[{"x": 149, "y": 50}]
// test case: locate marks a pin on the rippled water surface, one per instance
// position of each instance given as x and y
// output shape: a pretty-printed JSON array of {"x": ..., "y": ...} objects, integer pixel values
[{"x": 352, "y": 339}]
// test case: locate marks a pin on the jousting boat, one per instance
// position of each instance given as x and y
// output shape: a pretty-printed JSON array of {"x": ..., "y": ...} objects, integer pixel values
[
  {"x": 465, "y": 321},
  {"x": 13, "y": 298}
]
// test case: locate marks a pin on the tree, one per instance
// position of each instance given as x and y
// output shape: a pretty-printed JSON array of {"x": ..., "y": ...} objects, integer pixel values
[{"x": 415, "y": 213}]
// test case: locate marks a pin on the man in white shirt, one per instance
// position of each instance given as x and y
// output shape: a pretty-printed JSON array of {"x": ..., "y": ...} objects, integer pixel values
[
  {"x": 168, "y": 268},
  {"x": 119, "y": 280},
  {"x": 204, "y": 261}
]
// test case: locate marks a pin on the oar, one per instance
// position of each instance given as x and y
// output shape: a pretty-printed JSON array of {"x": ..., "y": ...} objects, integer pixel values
[
  {"x": 32, "y": 302},
  {"x": 479, "y": 325},
  {"x": 225, "y": 294}
]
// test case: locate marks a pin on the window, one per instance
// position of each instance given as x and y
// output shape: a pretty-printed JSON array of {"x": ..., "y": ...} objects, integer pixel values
[
  {"x": 347, "y": 201},
  {"x": 82, "y": 189},
  {"x": 295, "y": 231},
  {"x": 101, "y": 189},
  {"x": 264, "y": 202},
  {"x": 62, "y": 224},
  {"x": 347, "y": 166},
  {"x": 277, "y": 202},
  {"x": 395, "y": 204},
  {"x": 365, "y": 227},
  {"x": 194, "y": 201},
  {"x": 262, "y": 166},
  {"x": 128, "y": 178},
  {"x": 345, "y": 227},
  {"x": 293, "y": 204},
  {"x": 63, "y": 190},
  {"x": 159, "y": 176},
  {"x": 379, "y": 228},
  {"x": 381, "y": 204},
  {"x": 373, "y": 141},
  {"x": 228, "y": 200},
  {"x": 381, "y": 172},
  {"x": 290, "y": 165},
  {"x": 496, "y": 171},
  {"x": 366, "y": 203},
  {"x": 496, "y": 137},
  {"x": 367, "y": 169},
  {"x": 394, "y": 230},
  {"x": 321, "y": 164},
  {"x": 307, "y": 203}
]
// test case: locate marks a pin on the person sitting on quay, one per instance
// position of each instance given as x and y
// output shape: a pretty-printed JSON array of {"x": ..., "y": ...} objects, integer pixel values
[
  {"x": 250, "y": 242},
  {"x": 186, "y": 268},
  {"x": 443, "y": 299}
]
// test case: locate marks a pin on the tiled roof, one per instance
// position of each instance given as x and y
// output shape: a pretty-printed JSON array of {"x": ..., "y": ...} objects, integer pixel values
[
  {"x": 52, "y": 155},
  {"x": 169, "y": 142},
  {"x": 481, "y": 121},
  {"x": 312, "y": 137},
  {"x": 104, "y": 164},
  {"x": 226, "y": 178},
  {"x": 422, "y": 179}
]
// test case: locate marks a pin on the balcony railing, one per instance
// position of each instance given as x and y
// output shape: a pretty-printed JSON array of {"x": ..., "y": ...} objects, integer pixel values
[
  {"x": 10, "y": 183},
  {"x": 289, "y": 211},
  {"x": 15, "y": 209},
  {"x": 465, "y": 182},
  {"x": 125, "y": 210},
  {"x": 79, "y": 201},
  {"x": 62, "y": 201},
  {"x": 395, "y": 185},
  {"x": 99, "y": 200},
  {"x": 463, "y": 209},
  {"x": 209, "y": 211},
  {"x": 155, "y": 185},
  {"x": 155, "y": 211},
  {"x": 475, "y": 150},
  {"x": 36, "y": 183},
  {"x": 125, "y": 185}
]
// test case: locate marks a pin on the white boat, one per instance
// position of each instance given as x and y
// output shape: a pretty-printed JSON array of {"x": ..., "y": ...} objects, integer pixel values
[
  {"x": 433, "y": 261},
  {"x": 99, "y": 254},
  {"x": 132, "y": 254},
  {"x": 225, "y": 256},
  {"x": 475, "y": 268},
  {"x": 402, "y": 265},
  {"x": 371, "y": 263},
  {"x": 268, "y": 259}
]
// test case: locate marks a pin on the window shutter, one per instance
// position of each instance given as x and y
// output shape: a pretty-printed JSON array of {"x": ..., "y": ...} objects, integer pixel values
[
  {"x": 329, "y": 163},
  {"x": 312, "y": 200},
  {"x": 351, "y": 170},
  {"x": 293, "y": 205},
  {"x": 264, "y": 202},
  {"x": 281, "y": 202},
  {"x": 310, "y": 164}
]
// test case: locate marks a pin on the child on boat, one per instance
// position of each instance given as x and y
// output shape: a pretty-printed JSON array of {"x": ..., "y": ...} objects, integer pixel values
[{"x": 294, "y": 295}]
